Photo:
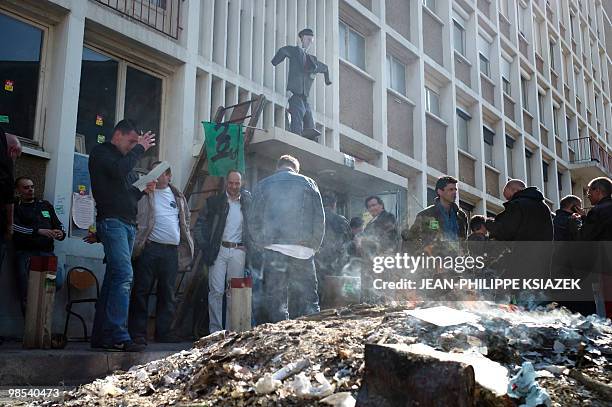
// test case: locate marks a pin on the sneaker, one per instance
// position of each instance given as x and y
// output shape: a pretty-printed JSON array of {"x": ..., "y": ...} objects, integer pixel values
[
  {"x": 140, "y": 340},
  {"x": 127, "y": 346}
]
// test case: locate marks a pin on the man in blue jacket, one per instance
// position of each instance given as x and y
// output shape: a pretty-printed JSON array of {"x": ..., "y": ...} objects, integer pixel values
[{"x": 287, "y": 223}]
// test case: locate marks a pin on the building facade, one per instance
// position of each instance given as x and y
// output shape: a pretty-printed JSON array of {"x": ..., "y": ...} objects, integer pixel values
[{"x": 484, "y": 90}]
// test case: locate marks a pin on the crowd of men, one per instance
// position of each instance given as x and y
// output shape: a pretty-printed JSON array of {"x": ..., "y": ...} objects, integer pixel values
[{"x": 286, "y": 234}]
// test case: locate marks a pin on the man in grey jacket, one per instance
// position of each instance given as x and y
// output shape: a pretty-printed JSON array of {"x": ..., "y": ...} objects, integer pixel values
[
  {"x": 287, "y": 223},
  {"x": 302, "y": 70},
  {"x": 162, "y": 246}
]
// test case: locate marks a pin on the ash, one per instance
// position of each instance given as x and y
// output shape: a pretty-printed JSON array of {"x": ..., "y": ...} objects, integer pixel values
[{"x": 325, "y": 353}]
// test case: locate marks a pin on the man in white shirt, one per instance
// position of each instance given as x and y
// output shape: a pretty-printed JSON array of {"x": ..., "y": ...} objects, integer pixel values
[
  {"x": 287, "y": 224},
  {"x": 221, "y": 235},
  {"x": 163, "y": 245}
]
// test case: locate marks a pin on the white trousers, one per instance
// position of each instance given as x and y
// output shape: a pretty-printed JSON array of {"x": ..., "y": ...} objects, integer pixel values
[{"x": 229, "y": 264}]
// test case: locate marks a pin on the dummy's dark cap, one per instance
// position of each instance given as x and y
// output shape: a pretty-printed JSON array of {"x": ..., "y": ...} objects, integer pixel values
[{"x": 305, "y": 31}]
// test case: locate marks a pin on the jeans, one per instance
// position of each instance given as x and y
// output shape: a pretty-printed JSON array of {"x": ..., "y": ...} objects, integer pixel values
[
  {"x": 110, "y": 322},
  {"x": 229, "y": 264},
  {"x": 289, "y": 287},
  {"x": 22, "y": 267},
  {"x": 157, "y": 261}
]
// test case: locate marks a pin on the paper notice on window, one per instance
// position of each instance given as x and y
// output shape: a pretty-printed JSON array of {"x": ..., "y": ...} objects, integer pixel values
[
  {"x": 159, "y": 169},
  {"x": 83, "y": 210}
]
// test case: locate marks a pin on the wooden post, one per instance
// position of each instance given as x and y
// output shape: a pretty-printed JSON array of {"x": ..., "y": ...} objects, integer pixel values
[
  {"x": 241, "y": 290},
  {"x": 39, "y": 308}
]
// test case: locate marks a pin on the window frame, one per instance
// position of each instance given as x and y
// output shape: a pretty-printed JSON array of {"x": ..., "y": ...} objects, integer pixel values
[
  {"x": 429, "y": 91},
  {"x": 46, "y": 59},
  {"x": 123, "y": 64},
  {"x": 348, "y": 29},
  {"x": 510, "y": 155},
  {"x": 391, "y": 60},
  {"x": 541, "y": 111},
  {"x": 524, "y": 93},
  {"x": 463, "y": 115},
  {"x": 461, "y": 28},
  {"x": 491, "y": 145},
  {"x": 483, "y": 59}
]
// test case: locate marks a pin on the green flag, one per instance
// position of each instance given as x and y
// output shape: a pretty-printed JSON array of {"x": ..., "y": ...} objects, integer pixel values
[{"x": 224, "y": 147}]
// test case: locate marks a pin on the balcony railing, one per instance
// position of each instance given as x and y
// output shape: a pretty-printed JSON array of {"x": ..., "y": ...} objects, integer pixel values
[
  {"x": 161, "y": 15},
  {"x": 587, "y": 149}
]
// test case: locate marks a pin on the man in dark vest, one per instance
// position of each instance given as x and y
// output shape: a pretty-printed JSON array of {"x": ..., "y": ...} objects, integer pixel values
[{"x": 302, "y": 70}]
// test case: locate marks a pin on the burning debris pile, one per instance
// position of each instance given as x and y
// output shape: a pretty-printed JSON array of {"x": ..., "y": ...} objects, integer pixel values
[{"x": 320, "y": 359}]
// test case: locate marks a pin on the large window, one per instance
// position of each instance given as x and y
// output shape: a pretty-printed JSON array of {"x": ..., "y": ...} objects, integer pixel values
[
  {"x": 459, "y": 37},
  {"x": 488, "y": 146},
  {"x": 541, "y": 106},
  {"x": 524, "y": 93},
  {"x": 556, "y": 121},
  {"x": 352, "y": 46},
  {"x": 432, "y": 102},
  {"x": 505, "y": 73},
  {"x": 528, "y": 155},
  {"x": 105, "y": 81},
  {"x": 20, "y": 66},
  {"x": 396, "y": 75},
  {"x": 551, "y": 50},
  {"x": 485, "y": 65},
  {"x": 510, "y": 156},
  {"x": 463, "y": 130}
]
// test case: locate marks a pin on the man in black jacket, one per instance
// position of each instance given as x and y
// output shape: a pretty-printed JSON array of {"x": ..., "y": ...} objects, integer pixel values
[
  {"x": 525, "y": 217},
  {"x": 568, "y": 206},
  {"x": 35, "y": 227},
  {"x": 222, "y": 236},
  {"x": 439, "y": 227},
  {"x": 380, "y": 235},
  {"x": 111, "y": 167},
  {"x": 287, "y": 223},
  {"x": 596, "y": 227}
]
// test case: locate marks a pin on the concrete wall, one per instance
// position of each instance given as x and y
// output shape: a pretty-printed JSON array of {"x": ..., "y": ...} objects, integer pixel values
[
  {"x": 432, "y": 38},
  {"x": 356, "y": 101},
  {"x": 398, "y": 16},
  {"x": 436, "y": 144},
  {"x": 400, "y": 125}
]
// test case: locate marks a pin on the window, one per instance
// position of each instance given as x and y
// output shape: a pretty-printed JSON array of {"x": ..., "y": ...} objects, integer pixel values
[
  {"x": 556, "y": 121},
  {"x": 463, "y": 130},
  {"x": 352, "y": 46},
  {"x": 396, "y": 75},
  {"x": 430, "y": 4},
  {"x": 545, "y": 171},
  {"x": 432, "y": 102},
  {"x": 521, "y": 16},
  {"x": 105, "y": 81},
  {"x": 524, "y": 93},
  {"x": 572, "y": 23},
  {"x": 488, "y": 145},
  {"x": 485, "y": 65},
  {"x": 541, "y": 106},
  {"x": 510, "y": 156},
  {"x": 559, "y": 181},
  {"x": 503, "y": 8},
  {"x": 551, "y": 50},
  {"x": 97, "y": 98},
  {"x": 537, "y": 41},
  {"x": 528, "y": 155},
  {"x": 505, "y": 73},
  {"x": 568, "y": 122},
  {"x": 20, "y": 67},
  {"x": 459, "y": 38}
]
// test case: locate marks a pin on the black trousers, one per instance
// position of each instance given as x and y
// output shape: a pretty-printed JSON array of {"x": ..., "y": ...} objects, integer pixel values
[{"x": 157, "y": 262}]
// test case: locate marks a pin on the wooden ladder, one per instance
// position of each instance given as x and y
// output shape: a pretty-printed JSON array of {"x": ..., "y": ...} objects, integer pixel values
[{"x": 200, "y": 185}]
